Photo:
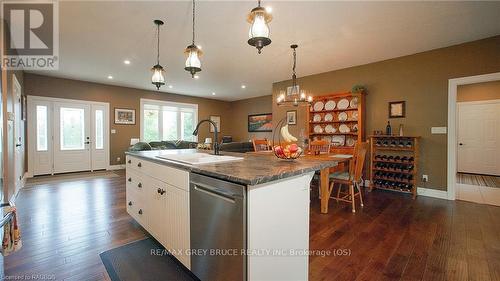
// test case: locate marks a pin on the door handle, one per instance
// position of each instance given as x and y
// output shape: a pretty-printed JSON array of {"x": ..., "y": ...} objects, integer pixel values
[
  {"x": 160, "y": 191},
  {"x": 460, "y": 144},
  {"x": 18, "y": 144}
]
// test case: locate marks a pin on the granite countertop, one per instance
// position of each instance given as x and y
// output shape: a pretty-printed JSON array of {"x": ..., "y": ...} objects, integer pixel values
[{"x": 252, "y": 170}]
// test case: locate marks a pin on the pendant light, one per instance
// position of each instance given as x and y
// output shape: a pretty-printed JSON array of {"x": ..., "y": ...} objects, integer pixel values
[
  {"x": 259, "y": 30},
  {"x": 193, "y": 53},
  {"x": 158, "y": 78},
  {"x": 295, "y": 97}
]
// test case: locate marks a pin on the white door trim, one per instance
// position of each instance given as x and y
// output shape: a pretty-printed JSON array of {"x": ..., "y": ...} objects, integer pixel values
[
  {"x": 452, "y": 123},
  {"x": 31, "y": 127}
]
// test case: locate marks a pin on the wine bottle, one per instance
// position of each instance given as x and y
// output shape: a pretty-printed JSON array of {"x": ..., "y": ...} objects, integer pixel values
[{"x": 388, "y": 129}]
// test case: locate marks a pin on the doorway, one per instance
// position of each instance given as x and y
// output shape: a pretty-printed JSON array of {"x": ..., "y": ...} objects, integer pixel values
[
  {"x": 18, "y": 135},
  {"x": 476, "y": 141},
  {"x": 67, "y": 136}
]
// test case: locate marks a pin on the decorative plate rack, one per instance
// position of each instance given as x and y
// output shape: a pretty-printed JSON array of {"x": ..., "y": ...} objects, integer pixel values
[{"x": 339, "y": 119}]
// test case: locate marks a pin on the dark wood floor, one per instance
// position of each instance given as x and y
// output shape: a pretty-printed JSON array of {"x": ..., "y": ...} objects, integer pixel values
[{"x": 66, "y": 225}]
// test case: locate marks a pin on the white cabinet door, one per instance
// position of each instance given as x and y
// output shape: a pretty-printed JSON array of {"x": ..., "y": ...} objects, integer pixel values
[
  {"x": 177, "y": 224},
  {"x": 479, "y": 138},
  {"x": 156, "y": 196}
]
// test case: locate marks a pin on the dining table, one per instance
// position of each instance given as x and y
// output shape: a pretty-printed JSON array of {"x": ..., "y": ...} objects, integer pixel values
[{"x": 324, "y": 174}]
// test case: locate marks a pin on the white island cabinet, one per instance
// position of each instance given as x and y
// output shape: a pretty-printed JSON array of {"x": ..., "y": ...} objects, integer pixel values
[{"x": 158, "y": 199}]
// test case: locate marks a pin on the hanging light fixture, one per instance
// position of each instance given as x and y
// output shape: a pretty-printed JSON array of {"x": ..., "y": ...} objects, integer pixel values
[
  {"x": 295, "y": 97},
  {"x": 158, "y": 78},
  {"x": 259, "y": 31},
  {"x": 193, "y": 53}
]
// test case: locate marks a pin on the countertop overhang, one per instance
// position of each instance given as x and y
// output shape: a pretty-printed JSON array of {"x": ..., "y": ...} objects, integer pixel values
[{"x": 252, "y": 170}]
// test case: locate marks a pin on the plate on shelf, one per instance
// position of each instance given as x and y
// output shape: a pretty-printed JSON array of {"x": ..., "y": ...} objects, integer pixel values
[
  {"x": 317, "y": 118},
  {"x": 355, "y": 128},
  {"x": 354, "y": 116},
  {"x": 318, "y": 106},
  {"x": 318, "y": 129},
  {"x": 329, "y": 129},
  {"x": 344, "y": 129},
  {"x": 354, "y": 102},
  {"x": 328, "y": 117},
  {"x": 342, "y": 116},
  {"x": 338, "y": 140},
  {"x": 330, "y": 105},
  {"x": 343, "y": 104},
  {"x": 350, "y": 142}
]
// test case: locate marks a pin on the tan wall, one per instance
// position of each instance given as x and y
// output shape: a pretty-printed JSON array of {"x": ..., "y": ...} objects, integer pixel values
[
  {"x": 239, "y": 117},
  {"x": 122, "y": 97},
  {"x": 479, "y": 91},
  {"x": 420, "y": 79}
]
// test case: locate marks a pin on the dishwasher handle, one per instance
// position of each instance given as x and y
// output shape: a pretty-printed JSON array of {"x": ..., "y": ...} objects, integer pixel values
[{"x": 215, "y": 192}]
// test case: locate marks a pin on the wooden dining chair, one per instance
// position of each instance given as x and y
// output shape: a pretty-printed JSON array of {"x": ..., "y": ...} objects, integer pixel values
[
  {"x": 322, "y": 146},
  {"x": 260, "y": 145},
  {"x": 351, "y": 178}
]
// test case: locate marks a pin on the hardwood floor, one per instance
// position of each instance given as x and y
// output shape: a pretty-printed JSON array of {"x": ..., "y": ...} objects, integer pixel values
[
  {"x": 66, "y": 225},
  {"x": 479, "y": 180}
]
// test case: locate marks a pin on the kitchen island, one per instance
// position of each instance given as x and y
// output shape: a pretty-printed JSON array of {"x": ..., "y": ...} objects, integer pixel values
[{"x": 241, "y": 218}]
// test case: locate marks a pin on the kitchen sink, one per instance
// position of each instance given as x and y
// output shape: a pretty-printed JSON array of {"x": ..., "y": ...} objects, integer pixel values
[{"x": 198, "y": 158}]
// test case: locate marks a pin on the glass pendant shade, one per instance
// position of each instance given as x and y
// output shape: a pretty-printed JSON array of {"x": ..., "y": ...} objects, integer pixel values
[
  {"x": 259, "y": 29},
  {"x": 193, "y": 63},
  {"x": 158, "y": 78}
]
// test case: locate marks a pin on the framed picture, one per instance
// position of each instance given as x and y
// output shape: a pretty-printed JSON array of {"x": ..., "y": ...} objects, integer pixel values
[
  {"x": 397, "y": 109},
  {"x": 124, "y": 116},
  {"x": 260, "y": 122},
  {"x": 216, "y": 120},
  {"x": 291, "y": 117}
]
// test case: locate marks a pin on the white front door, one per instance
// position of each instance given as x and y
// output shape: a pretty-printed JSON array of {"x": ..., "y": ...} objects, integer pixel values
[
  {"x": 479, "y": 137},
  {"x": 18, "y": 134},
  {"x": 72, "y": 145}
]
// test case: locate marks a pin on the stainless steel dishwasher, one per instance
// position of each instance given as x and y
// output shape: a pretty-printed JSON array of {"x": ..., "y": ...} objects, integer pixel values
[{"x": 218, "y": 229}]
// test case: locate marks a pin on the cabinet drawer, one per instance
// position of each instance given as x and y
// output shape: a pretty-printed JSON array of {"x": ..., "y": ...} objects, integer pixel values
[
  {"x": 172, "y": 176},
  {"x": 135, "y": 182}
]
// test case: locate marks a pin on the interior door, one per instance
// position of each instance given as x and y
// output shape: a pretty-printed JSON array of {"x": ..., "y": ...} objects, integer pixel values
[
  {"x": 72, "y": 145},
  {"x": 479, "y": 138},
  {"x": 18, "y": 135}
]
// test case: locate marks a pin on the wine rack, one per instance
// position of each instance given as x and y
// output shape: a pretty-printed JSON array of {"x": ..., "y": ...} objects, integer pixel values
[{"x": 394, "y": 163}]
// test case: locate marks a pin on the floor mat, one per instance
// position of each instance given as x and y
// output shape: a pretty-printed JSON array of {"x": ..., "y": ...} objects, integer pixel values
[{"x": 144, "y": 260}]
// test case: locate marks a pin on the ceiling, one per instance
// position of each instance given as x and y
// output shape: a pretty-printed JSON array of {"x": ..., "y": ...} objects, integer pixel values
[{"x": 96, "y": 37}]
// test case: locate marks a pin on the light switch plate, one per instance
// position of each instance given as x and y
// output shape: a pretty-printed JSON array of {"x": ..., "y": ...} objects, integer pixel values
[
  {"x": 438, "y": 130},
  {"x": 113, "y": 131}
]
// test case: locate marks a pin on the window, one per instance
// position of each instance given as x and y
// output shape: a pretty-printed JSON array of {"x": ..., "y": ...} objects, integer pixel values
[
  {"x": 72, "y": 128},
  {"x": 99, "y": 129},
  {"x": 41, "y": 128},
  {"x": 168, "y": 120}
]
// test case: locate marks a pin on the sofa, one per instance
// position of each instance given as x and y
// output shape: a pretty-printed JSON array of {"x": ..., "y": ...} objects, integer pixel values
[{"x": 241, "y": 147}]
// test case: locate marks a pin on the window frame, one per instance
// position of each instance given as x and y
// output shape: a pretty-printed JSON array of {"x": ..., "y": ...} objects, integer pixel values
[{"x": 160, "y": 116}]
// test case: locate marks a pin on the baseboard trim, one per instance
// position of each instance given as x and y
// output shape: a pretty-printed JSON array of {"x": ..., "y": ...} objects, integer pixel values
[
  {"x": 116, "y": 167},
  {"x": 441, "y": 194}
]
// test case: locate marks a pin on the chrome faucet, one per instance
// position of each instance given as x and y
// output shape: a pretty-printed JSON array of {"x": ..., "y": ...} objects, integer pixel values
[{"x": 216, "y": 140}]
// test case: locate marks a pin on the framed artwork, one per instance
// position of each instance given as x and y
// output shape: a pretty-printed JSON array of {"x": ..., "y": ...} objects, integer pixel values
[
  {"x": 124, "y": 116},
  {"x": 397, "y": 109},
  {"x": 291, "y": 117},
  {"x": 260, "y": 122},
  {"x": 216, "y": 120}
]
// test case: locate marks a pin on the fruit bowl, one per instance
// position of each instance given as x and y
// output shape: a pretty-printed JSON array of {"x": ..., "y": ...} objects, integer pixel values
[{"x": 285, "y": 147}]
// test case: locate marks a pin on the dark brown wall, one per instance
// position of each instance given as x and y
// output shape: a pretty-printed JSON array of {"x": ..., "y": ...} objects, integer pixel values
[
  {"x": 239, "y": 117},
  {"x": 421, "y": 80},
  {"x": 479, "y": 91},
  {"x": 122, "y": 97}
]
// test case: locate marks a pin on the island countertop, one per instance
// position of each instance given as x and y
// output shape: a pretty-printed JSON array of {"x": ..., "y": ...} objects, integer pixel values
[{"x": 251, "y": 170}]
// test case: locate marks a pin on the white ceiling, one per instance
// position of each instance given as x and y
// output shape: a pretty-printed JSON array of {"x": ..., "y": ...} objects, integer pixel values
[{"x": 96, "y": 37}]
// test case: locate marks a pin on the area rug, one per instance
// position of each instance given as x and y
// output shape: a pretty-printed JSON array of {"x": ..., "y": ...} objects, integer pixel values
[
  {"x": 70, "y": 177},
  {"x": 143, "y": 260}
]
